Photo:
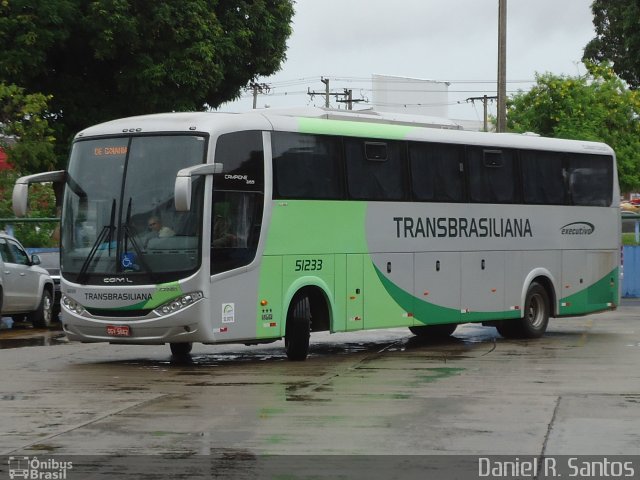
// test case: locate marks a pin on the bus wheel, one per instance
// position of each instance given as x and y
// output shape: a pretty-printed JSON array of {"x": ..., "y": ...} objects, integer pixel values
[
  {"x": 536, "y": 316},
  {"x": 298, "y": 330},
  {"x": 180, "y": 349},
  {"x": 434, "y": 332}
]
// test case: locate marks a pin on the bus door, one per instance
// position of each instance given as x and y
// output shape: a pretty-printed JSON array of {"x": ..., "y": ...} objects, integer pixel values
[{"x": 355, "y": 292}]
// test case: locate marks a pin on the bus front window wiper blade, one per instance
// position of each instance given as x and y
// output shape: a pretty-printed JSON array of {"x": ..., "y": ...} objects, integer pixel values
[
  {"x": 106, "y": 234},
  {"x": 129, "y": 236}
]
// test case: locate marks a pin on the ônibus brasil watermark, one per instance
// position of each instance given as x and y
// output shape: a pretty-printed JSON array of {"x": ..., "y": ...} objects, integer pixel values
[{"x": 33, "y": 468}]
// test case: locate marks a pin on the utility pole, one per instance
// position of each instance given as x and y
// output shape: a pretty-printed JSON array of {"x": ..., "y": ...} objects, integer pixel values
[
  {"x": 485, "y": 100},
  {"x": 326, "y": 94},
  {"x": 347, "y": 94},
  {"x": 257, "y": 88},
  {"x": 349, "y": 100},
  {"x": 502, "y": 66}
]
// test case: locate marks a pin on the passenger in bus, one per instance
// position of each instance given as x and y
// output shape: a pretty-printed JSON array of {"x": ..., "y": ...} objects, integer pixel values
[{"x": 222, "y": 236}]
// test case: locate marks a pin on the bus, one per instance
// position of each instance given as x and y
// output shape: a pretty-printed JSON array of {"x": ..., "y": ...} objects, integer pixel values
[{"x": 282, "y": 224}]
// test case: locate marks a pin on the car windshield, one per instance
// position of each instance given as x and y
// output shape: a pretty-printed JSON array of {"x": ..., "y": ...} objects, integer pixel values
[{"x": 119, "y": 215}]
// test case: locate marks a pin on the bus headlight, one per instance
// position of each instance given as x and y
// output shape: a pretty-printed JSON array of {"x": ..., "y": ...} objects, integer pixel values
[
  {"x": 178, "y": 303},
  {"x": 71, "y": 305}
]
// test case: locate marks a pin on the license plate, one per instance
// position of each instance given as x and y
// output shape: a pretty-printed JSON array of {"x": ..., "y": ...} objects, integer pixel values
[{"x": 118, "y": 330}]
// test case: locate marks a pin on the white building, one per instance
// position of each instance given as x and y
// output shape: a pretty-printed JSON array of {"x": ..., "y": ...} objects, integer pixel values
[{"x": 410, "y": 95}]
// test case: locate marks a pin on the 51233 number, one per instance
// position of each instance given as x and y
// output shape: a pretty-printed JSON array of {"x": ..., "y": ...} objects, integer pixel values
[{"x": 308, "y": 265}]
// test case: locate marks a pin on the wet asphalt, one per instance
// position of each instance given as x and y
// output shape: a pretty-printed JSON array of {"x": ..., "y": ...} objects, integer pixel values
[{"x": 574, "y": 391}]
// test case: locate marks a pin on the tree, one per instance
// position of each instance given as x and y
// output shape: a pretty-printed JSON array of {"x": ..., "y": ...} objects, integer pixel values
[
  {"x": 24, "y": 119},
  {"x": 617, "y": 24},
  {"x": 26, "y": 137},
  {"x": 596, "y": 106},
  {"x": 111, "y": 58},
  {"x": 41, "y": 205}
]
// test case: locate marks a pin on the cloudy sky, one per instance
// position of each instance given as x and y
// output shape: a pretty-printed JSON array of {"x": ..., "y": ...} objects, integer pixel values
[{"x": 446, "y": 40}]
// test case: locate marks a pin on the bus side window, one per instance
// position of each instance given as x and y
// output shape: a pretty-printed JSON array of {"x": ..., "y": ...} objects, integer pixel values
[
  {"x": 307, "y": 166},
  {"x": 375, "y": 170},
  {"x": 436, "y": 175},
  {"x": 542, "y": 177},
  {"x": 491, "y": 175},
  {"x": 591, "y": 179}
]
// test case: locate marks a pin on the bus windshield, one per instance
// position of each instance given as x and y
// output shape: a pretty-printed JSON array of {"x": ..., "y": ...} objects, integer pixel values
[{"x": 119, "y": 217}]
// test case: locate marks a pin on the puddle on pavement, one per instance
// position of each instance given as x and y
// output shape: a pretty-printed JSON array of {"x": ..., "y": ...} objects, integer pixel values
[
  {"x": 192, "y": 362},
  {"x": 25, "y": 336}
]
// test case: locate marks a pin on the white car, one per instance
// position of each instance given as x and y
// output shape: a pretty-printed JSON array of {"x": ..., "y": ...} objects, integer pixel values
[{"x": 26, "y": 290}]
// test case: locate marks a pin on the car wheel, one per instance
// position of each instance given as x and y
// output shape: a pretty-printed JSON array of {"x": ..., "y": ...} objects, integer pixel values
[{"x": 42, "y": 317}]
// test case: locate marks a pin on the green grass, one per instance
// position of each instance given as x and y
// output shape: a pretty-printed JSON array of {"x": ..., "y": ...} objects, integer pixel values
[{"x": 629, "y": 239}]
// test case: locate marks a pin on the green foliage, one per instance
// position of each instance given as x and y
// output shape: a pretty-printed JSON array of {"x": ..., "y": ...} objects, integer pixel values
[
  {"x": 112, "y": 58},
  {"x": 617, "y": 24},
  {"x": 629, "y": 239},
  {"x": 24, "y": 117},
  {"x": 41, "y": 205},
  {"x": 597, "y": 106}
]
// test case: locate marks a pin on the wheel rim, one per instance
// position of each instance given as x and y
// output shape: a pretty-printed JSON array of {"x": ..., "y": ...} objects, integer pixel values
[
  {"x": 535, "y": 310},
  {"x": 47, "y": 311}
]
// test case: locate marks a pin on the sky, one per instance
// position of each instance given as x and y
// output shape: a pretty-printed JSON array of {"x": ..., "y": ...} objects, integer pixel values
[{"x": 444, "y": 40}]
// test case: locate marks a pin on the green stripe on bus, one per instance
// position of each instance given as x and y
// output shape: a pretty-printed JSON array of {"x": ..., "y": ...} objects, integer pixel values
[
  {"x": 308, "y": 227},
  {"x": 602, "y": 295},
  {"x": 424, "y": 312},
  {"x": 353, "y": 129}
]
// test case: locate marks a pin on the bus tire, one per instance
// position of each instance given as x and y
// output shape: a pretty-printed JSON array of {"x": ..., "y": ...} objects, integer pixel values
[
  {"x": 181, "y": 349},
  {"x": 43, "y": 315},
  {"x": 434, "y": 332},
  {"x": 534, "y": 322},
  {"x": 298, "y": 329}
]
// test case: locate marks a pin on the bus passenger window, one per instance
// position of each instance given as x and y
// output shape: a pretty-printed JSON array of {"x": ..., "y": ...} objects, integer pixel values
[
  {"x": 436, "y": 175},
  {"x": 378, "y": 178},
  {"x": 491, "y": 175},
  {"x": 591, "y": 179},
  {"x": 542, "y": 177},
  {"x": 307, "y": 166}
]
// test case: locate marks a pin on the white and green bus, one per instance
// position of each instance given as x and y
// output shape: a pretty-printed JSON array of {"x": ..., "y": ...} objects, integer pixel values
[{"x": 278, "y": 225}]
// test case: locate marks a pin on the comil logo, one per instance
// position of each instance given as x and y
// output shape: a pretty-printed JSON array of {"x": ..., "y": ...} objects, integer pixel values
[{"x": 577, "y": 228}]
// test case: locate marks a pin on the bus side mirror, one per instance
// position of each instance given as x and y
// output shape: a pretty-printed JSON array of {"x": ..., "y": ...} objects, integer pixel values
[
  {"x": 182, "y": 188},
  {"x": 20, "y": 197}
]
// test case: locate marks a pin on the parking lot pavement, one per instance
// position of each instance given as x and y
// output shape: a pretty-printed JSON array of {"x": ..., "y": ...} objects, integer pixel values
[{"x": 576, "y": 391}]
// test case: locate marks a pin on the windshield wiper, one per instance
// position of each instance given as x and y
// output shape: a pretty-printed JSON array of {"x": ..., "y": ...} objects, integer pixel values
[
  {"x": 105, "y": 234},
  {"x": 129, "y": 236}
]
